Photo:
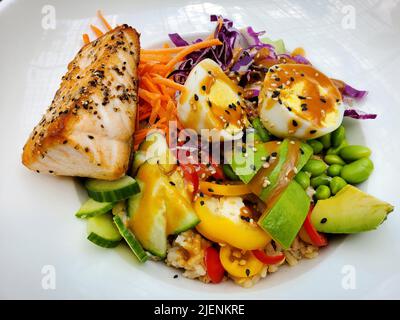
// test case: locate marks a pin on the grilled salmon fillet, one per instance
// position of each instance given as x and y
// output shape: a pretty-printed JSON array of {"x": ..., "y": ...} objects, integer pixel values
[{"x": 88, "y": 129}]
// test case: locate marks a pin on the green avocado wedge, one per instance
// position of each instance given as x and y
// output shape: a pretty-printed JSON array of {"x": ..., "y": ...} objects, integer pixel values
[
  {"x": 349, "y": 211},
  {"x": 246, "y": 164},
  {"x": 284, "y": 219}
]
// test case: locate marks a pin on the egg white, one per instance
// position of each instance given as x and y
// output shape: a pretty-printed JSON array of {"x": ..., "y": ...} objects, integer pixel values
[{"x": 197, "y": 114}]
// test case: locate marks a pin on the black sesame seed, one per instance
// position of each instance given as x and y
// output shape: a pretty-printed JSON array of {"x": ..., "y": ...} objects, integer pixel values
[
  {"x": 172, "y": 183},
  {"x": 301, "y": 97},
  {"x": 90, "y": 137},
  {"x": 65, "y": 141},
  {"x": 275, "y": 94},
  {"x": 313, "y": 131},
  {"x": 51, "y": 171},
  {"x": 294, "y": 122},
  {"x": 196, "y": 97},
  {"x": 289, "y": 108},
  {"x": 304, "y": 107},
  {"x": 203, "y": 88},
  {"x": 291, "y": 79},
  {"x": 201, "y": 194},
  {"x": 323, "y": 100},
  {"x": 274, "y": 154},
  {"x": 227, "y": 111},
  {"x": 302, "y": 74},
  {"x": 323, "y": 220},
  {"x": 301, "y": 151},
  {"x": 209, "y": 103},
  {"x": 37, "y": 171},
  {"x": 175, "y": 276},
  {"x": 202, "y": 202},
  {"x": 210, "y": 190},
  {"x": 247, "y": 272},
  {"x": 277, "y": 79}
]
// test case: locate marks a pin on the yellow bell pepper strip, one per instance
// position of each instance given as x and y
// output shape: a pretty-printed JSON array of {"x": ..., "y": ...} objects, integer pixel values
[
  {"x": 239, "y": 264},
  {"x": 235, "y": 229},
  {"x": 211, "y": 189}
]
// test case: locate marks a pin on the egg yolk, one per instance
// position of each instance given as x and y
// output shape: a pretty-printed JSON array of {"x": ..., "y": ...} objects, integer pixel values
[{"x": 302, "y": 89}]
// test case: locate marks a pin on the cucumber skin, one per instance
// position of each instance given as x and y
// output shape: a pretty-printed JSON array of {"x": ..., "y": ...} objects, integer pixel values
[
  {"x": 187, "y": 227},
  {"x": 130, "y": 239},
  {"x": 115, "y": 195},
  {"x": 101, "y": 242},
  {"x": 89, "y": 214}
]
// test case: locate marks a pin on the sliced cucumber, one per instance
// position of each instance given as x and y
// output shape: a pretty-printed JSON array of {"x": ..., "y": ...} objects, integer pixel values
[
  {"x": 93, "y": 208},
  {"x": 102, "y": 231},
  {"x": 130, "y": 239},
  {"x": 111, "y": 191}
]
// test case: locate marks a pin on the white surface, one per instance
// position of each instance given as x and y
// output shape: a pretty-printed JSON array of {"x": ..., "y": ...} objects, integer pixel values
[{"x": 38, "y": 226}]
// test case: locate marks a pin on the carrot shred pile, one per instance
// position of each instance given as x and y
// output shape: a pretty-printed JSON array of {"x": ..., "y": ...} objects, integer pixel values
[{"x": 157, "y": 93}]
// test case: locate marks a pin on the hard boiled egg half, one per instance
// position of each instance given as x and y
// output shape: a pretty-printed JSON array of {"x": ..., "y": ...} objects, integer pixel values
[
  {"x": 299, "y": 101},
  {"x": 212, "y": 101}
]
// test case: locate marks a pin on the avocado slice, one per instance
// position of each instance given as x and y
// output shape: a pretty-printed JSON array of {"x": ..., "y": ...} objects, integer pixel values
[
  {"x": 274, "y": 172},
  {"x": 247, "y": 162},
  {"x": 349, "y": 211},
  {"x": 284, "y": 219}
]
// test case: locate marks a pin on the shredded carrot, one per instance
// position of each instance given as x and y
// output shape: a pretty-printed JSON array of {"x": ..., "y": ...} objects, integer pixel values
[
  {"x": 169, "y": 83},
  {"x": 103, "y": 20},
  {"x": 96, "y": 30},
  {"x": 190, "y": 49},
  {"x": 157, "y": 105},
  {"x": 163, "y": 50},
  {"x": 85, "y": 38}
]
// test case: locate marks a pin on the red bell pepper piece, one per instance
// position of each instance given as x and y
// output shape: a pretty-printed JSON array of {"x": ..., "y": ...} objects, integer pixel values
[
  {"x": 214, "y": 267},
  {"x": 264, "y": 258},
  {"x": 316, "y": 238}
]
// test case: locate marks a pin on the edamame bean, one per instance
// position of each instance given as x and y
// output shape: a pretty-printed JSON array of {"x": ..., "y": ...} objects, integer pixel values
[
  {"x": 352, "y": 153},
  {"x": 303, "y": 179},
  {"x": 316, "y": 145},
  {"x": 337, "y": 149},
  {"x": 334, "y": 170},
  {"x": 315, "y": 167},
  {"x": 326, "y": 140},
  {"x": 336, "y": 184},
  {"x": 357, "y": 171},
  {"x": 229, "y": 173},
  {"x": 323, "y": 179},
  {"x": 334, "y": 159},
  {"x": 322, "y": 192},
  {"x": 338, "y": 136}
]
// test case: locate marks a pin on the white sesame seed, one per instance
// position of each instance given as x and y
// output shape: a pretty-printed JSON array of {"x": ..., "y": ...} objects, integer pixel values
[{"x": 265, "y": 165}]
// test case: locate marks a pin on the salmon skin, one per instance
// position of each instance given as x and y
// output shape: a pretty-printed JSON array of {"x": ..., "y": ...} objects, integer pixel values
[{"x": 88, "y": 129}]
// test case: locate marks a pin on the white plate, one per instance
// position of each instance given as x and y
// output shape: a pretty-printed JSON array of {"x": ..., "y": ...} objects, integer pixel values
[{"x": 38, "y": 231}]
